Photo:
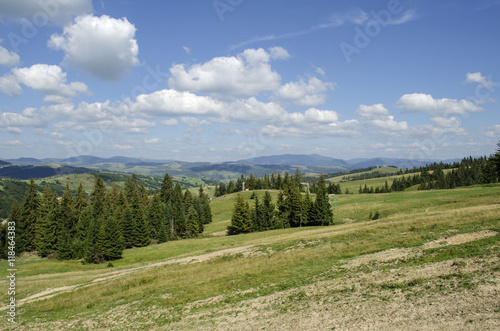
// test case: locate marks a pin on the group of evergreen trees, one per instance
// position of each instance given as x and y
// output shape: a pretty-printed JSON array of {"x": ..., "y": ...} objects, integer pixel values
[
  {"x": 273, "y": 182},
  {"x": 470, "y": 171},
  {"x": 99, "y": 228},
  {"x": 292, "y": 209}
]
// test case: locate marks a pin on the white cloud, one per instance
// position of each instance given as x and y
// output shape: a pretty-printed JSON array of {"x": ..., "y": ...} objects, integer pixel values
[
  {"x": 103, "y": 47},
  {"x": 194, "y": 122},
  {"x": 56, "y": 12},
  {"x": 493, "y": 131},
  {"x": 278, "y": 53},
  {"x": 25, "y": 119},
  {"x": 378, "y": 117},
  {"x": 310, "y": 117},
  {"x": 248, "y": 73},
  {"x": 174, "y": 103},
  {"x": 12, "y": 143},
  {"x": 186, "y": 49},
  {"x": 49, "y": 80},
  {"x": 419, "y": 102},
  {"x": 123, "y": 147},
  {"x": 170, "y": 122},
  {"x": 14, "y": 130},
  {"x": 152, "y": 141},
  {"x": 306, "y": 94},
  {"x": 477, "y": 77},
  {"x": 10, "y": 86},
  {"x": 8, "y": 58}
]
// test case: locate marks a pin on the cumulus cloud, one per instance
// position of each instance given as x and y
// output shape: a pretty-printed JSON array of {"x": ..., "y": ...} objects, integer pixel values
[
  {"x": 278, "y": 53},
  {"x": 152, "y": 141},
  {"x": 27, "y": 118},
  {"x": 170, "y": 122},
  {"x": 10, "y": 86},
  {"x": 248, "y": 73},
  {"x": 425, "y": 103},
  {"x": 103, "y": 47},
  {"x": 194, "y": 122},
  {"x": 58, "y": 12},
  {"x": 492, "y": 131},
  {"x": 306, "y": 94},
  {"x": 8, "y": 58},
  {"x": 48, "y": 79},
  {"x": 173, "y": 103},
  {"x": 478, "y": 78},
  {"x": 378, "y": 117},
  {"x": 14, "y": 130}
]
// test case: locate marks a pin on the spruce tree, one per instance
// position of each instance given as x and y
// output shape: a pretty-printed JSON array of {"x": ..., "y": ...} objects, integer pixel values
[
  {"x": 97, "y": 198},
  {"x": 324, "y": 215},
  {"x": 113, "y": 245},
  {"x": 46, "y": 233},
  {"x": 241, "y": 221},
  {"x": 155, "y": 216},
  {"x": 268, "y": 220},
  {"x": 496, "y": 161},
  {"x": 16, "y": 214},
  {"x": 129, "y": 229},
  {"x": 67, "y": 215},
  {"x": 64, "y": 251},
  {"x": 142, "y": 231},
  {"x": 192, "y": 225},
  {"x": 82, "y": 226},
  {"x": 166, "y": 189},
  {"x": 26, "y": 229}
]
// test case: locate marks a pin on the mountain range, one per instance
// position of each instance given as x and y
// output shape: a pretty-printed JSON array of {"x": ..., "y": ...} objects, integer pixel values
[{"x": 257, "y": 166}]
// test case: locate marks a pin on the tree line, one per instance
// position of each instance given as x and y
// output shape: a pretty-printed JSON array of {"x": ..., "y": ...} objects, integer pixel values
[
  {"x": 275, "y": 181},
  {"x": 470, "y": 171},
  {"x": 292, "y": 209},
  {"x": 98, "y": 228}
]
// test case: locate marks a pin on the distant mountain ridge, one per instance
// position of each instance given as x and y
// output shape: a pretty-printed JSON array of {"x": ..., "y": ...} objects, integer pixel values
[{"x": 258, "y": 166}]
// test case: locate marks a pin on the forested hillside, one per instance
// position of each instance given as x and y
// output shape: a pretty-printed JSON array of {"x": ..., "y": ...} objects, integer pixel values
[{"x": 100, "y": 228}]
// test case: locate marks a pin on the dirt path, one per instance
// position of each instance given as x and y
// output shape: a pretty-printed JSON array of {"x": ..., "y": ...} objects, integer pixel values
[
  {"x": 50, "y": 292},
  {"x": 430, "y": 296}
]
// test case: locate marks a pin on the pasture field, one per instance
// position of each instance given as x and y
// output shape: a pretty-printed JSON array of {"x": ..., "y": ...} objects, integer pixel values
[{"x": 432, "y": 260}]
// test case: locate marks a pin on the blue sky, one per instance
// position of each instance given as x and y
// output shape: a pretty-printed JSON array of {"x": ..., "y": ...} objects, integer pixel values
[{"x": 218, "y": 80}]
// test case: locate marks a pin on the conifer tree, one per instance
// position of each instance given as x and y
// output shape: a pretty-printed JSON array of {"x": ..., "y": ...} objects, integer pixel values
[
  {"x": 162, "y": 233},
  {"x": 241, "y": 219},
  {"x": 268, "y": 212},
  {"x": 97, "y": 198},
  {"x": 64, "y": 251},
  {"x": 46, "y": 233},
  {"x": 79, "y": 241},
  {"x": 129, "y": 229},
  {"x": 113, "y": 245},
  {"x": 142, "y": 231},
  {"x": 90, "y": 252},
  {"x": 323, "y": 211},
  {"x": 67, "y": 215},
  {"x": 16, "y": 214},
  {"x": 192, "y": 224},
  {"x": 156, "y": 216},
  {"x": 166, "y": 189},
  {"x": 26, "y": 229},
  {"x": 80, "y": 201}
]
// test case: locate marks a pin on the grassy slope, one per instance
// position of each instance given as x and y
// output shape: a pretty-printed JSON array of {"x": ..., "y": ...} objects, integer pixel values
[{"x": 409, "y": 219}]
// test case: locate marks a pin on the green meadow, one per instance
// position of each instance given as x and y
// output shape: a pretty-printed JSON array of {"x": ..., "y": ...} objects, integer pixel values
[{"x": 151, "y": 287}]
